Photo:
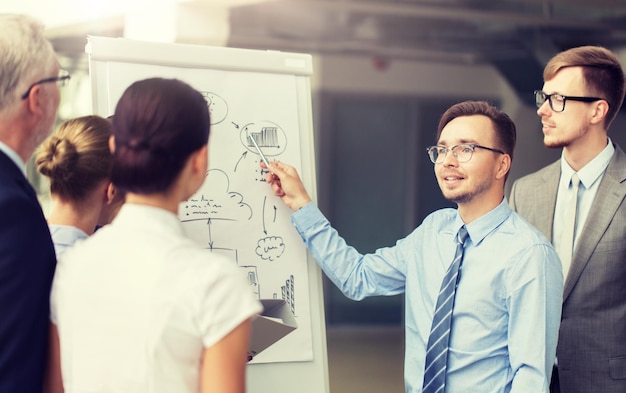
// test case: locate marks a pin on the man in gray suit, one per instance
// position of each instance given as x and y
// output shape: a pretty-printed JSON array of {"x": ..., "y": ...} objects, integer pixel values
[{"x": 582, "y": 93}]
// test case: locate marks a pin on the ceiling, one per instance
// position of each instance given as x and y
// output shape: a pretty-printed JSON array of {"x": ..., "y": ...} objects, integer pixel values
[
  {"x": 515, "y": 36},
  {"x": 471, "y": 31}
]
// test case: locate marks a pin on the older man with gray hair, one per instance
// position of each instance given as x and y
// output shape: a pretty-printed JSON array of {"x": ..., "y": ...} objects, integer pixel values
[{"x": 29, "y": 98}]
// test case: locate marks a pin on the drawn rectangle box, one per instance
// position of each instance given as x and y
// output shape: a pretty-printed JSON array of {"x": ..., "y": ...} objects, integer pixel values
[{"x": 275, "y": 322}]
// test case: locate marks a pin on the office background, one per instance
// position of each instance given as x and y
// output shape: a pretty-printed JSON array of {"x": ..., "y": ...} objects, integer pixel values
[{"x": 384, "y": 71}]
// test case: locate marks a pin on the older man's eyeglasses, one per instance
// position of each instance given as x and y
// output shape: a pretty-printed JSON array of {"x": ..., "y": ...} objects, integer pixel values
[
  {"x": 462, "y": 152},
  {"x": 557, "y": 101},
  {"x": 61, "y": 80}
]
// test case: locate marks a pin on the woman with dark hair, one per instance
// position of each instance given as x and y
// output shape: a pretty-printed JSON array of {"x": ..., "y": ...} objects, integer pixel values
[{"x": 139, "y": 307}]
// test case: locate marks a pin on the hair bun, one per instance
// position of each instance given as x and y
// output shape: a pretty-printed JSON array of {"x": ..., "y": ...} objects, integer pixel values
[
  {"x": 138, "y": 145},
  {"x": 57, "y": 158}
]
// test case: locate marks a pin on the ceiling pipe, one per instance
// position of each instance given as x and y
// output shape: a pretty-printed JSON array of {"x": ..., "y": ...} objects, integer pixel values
[{"x": 416, "y": 10}]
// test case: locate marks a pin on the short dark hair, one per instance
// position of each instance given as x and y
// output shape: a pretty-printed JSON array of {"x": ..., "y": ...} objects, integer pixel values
[
  {"x": 502, "y": 124},
  {"x": 158, "y": 123},
  {"x": 602, "y": 72}
]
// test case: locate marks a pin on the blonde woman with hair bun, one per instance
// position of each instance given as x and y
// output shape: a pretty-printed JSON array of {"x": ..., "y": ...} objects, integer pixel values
[{"x": 77, "y": 160}]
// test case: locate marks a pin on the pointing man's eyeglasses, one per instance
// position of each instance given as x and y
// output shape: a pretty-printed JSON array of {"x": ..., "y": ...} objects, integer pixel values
[{"x": 462, "y": 152}]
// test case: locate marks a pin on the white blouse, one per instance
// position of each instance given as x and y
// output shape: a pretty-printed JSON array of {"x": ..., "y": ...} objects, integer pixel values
[{"x": 137, "y": 303}]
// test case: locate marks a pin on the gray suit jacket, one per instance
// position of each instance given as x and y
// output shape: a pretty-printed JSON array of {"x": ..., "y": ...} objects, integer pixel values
[{"x": 592, "y": 339}]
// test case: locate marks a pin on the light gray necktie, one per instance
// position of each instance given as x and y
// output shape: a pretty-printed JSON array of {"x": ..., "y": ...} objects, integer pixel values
[{"x": 566, "y": 245}]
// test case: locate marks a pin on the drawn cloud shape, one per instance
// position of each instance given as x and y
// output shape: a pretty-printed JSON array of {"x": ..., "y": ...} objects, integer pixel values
[
  {"x": 214, "y": 200},
  {"x": 270, "y": 248}
]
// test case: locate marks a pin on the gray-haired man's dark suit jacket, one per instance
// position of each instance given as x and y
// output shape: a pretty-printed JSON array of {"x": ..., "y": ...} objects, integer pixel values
[
  {"x": 27, "y": 263},
  {"x": 591, "y": 350}
]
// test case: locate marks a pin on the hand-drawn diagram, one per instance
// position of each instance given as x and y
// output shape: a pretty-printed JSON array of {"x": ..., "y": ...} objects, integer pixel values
[
  {"x": 288, "y": 294},
  {"x": 232, "y": 214},
  {"x": 214, "y": 200},
  {"x": 270, "y": 248},
  {"x": 253, "y": 279},
  {"x": 268, "y": 136},
  {"x": 235, "y": 214},
  {"x": 218, "y": 108}
]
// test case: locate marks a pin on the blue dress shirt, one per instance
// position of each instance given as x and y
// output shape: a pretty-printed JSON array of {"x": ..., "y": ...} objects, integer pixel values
[
  {"x": 508, "y": 303},
  {"x": 64, "y": 237}
]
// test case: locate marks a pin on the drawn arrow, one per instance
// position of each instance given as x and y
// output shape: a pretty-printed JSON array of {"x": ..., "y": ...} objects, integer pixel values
[
  {"x": 245, "y": 153},
  {"x": 275, "y": 210},
  {"x": 235, "y": 124},
  {"x": 263, "y": 215},
  {"x": 210, "y": 237}
]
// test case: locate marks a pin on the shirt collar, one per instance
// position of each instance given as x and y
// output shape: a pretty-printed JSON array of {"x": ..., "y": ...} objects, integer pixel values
[
  {"x": 592, "y": 171},
  {"x": 66, "y": 235},
  {"x": 144, "y": 216},
  {"x": 13, "y": 156},
  {"x": 481, "y": 227}
]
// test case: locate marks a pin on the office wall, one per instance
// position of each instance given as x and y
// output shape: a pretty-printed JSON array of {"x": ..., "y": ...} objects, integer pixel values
[{"x": 429, "y": 80}]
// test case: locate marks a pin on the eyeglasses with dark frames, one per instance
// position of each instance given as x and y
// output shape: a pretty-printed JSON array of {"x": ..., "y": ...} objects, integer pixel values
[
  {"x": 462, "y": 152},
  {"x": 61, "y": 80},
  {"x": 557, "y": 101}
]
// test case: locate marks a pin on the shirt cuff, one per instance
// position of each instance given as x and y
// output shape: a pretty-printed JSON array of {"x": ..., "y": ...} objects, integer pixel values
[{"x": 307, "y": 216}]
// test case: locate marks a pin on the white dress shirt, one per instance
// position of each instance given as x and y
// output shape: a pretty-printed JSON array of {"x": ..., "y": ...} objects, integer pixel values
[{"x": 590, "y": 177}]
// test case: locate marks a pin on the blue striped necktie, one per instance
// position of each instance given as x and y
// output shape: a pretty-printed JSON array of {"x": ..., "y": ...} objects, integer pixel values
[{"x": 437, "y": 349}]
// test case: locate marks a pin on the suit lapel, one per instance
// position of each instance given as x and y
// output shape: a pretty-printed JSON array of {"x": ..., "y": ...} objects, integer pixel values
[
  {"x": 546, "y": 199},
  {"x": 11, "y": 171},
  {"x": 609, "y": 197}
]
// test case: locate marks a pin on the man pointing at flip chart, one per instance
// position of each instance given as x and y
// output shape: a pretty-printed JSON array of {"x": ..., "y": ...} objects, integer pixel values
[{"x": 482, "y": 287}]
